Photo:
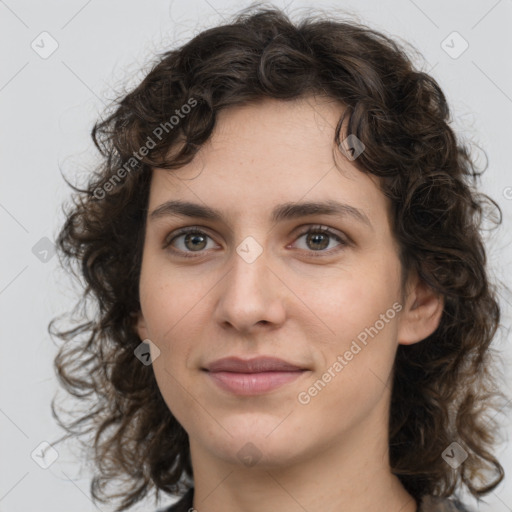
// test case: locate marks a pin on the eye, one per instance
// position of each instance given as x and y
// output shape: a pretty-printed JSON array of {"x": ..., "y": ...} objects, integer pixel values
[
  {"x": 190, "y": 240},
  {"x": 319, "y": 238},
  {"x": 187, "y": 241}
]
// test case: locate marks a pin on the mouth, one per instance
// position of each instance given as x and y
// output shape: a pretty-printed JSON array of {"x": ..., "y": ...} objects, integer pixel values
[{"x": 253, "y": 376}]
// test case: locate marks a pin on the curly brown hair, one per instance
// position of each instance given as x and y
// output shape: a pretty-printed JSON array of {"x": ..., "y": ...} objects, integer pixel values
[{"x": 444, "y": 388}]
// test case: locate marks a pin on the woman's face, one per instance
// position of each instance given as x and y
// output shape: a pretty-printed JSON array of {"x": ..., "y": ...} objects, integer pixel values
[{"x": 252, "y": 282}]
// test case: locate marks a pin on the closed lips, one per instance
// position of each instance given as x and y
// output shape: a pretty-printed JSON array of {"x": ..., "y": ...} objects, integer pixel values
[
  {"x": 255, "y": 376},
  {"x": 256, "y": 365}
]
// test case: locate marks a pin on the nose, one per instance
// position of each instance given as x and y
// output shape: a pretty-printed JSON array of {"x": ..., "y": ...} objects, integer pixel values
[{"x": 250, "y": 296}]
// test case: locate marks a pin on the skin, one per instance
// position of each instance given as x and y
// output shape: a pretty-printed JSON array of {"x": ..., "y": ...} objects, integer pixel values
[{"x": 298, "y": 300}]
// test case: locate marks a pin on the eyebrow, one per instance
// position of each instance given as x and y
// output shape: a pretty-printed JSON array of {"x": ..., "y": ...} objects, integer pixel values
[{"x": 282, "y": 212}]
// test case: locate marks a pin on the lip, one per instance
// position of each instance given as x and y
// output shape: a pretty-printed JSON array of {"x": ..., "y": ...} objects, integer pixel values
[
  {"x": 254, "y": 365},
  {"x": 252, "y": 376}
]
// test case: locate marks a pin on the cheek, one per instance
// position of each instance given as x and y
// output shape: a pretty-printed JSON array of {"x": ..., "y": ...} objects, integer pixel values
[
  {"x": 348, "y": 302},
  {"x": 355, "y": 373},
  {"x": 173, "y": 322},
  {"x": 359, "y": 311},
  {"x": 168, "y": 297}
]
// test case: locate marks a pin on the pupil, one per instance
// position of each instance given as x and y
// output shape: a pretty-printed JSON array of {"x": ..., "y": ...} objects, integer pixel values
[
  {"x": 194, "y": 237},
  {"x": 315, "y": 239}
]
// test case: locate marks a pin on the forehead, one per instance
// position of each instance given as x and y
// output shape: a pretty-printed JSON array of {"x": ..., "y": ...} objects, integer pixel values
[{"x": 267, "y": 153}]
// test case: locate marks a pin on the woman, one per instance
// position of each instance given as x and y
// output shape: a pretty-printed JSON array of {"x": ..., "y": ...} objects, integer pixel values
[{"x": 293, "y": 310}]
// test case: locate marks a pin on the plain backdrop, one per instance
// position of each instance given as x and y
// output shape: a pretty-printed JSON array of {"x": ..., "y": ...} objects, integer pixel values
[{"x": 62, "y": 61}]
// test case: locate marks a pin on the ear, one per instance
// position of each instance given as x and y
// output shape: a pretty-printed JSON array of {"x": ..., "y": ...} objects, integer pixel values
[
  {"x": 422, "y": 312},
  {"x": 140, "y": 326}
]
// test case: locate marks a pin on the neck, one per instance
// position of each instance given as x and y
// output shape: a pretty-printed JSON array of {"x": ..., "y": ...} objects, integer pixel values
[{"x": 352, "y": 476}]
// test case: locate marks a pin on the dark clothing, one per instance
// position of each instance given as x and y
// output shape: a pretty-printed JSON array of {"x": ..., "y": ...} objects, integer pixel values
[{"x": 427, "y": 504}]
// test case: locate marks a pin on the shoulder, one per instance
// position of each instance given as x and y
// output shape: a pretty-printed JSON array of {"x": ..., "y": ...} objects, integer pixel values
[
  {"x": 427, "y": 504},
  {"x": 438, "y": 504},
  {"x": 183, "y": 505}
]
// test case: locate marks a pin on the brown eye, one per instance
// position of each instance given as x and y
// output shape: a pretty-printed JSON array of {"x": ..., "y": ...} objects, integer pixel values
[
  {"x": 187, "y": 241},
  {"x": 195, "y": 241},
  {"x": 319, "y": 238}
]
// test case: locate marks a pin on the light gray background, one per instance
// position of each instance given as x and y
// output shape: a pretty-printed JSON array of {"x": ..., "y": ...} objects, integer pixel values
[{"x": 48, "y": 107}]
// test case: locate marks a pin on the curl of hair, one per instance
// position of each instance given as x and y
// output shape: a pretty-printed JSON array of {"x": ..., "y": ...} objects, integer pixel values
[{"x": 443, "y": 387}]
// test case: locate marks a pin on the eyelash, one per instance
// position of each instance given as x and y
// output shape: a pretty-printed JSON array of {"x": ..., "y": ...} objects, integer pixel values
[{"x": 311, "y": 229}]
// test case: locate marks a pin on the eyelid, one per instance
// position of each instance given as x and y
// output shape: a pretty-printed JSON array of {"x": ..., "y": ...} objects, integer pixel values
[
  {"x": 342, "y": 238},
  {"x": 320, "y": 228},
  {"x": 184, "y": 231}
]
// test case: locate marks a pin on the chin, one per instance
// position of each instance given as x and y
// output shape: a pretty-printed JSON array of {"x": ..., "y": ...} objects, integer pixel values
[{"x": 254, "y": 447}]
